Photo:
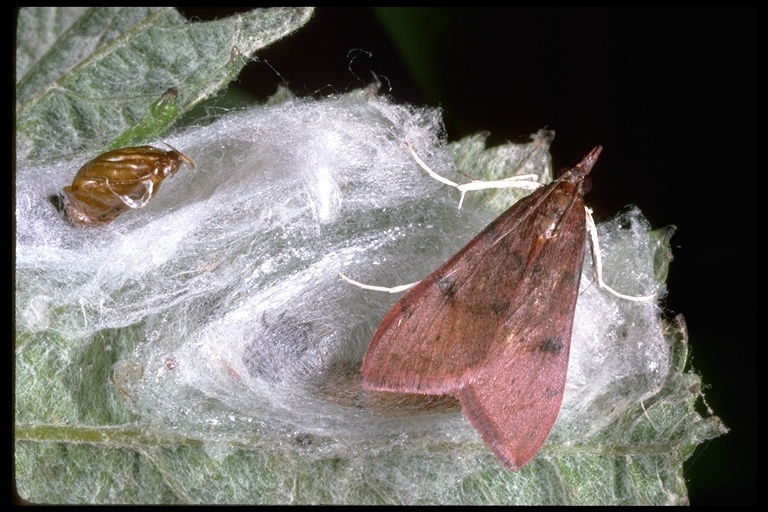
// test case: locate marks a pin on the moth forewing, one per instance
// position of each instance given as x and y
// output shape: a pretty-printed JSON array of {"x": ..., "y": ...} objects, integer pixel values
[
  {"x": 515, "y": 397},
  {"x": 493, "y": 324}
]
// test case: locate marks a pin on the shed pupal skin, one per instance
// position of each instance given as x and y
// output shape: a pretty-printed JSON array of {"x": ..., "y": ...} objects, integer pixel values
[{"x": 118, "y": 180}]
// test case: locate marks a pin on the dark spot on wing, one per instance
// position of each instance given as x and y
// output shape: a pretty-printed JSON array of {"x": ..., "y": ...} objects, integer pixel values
[
  {"x": 447, "y": 286},
  {"x": 568, "y": 277},
  {"x": 513, "y": 259},
  {"x": 406, "y": 309},
  {"x": 552, "y": 345},
  {"x": 499, "y": 307}
]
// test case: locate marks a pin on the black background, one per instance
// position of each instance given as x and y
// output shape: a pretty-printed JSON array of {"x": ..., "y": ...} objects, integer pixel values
[{"x": 669, "y": 93}]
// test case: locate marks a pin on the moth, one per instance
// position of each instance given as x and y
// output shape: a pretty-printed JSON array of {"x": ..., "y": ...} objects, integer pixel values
[
  {"x": 118, "y": 180},
  {"x": 493, "y": 324}
]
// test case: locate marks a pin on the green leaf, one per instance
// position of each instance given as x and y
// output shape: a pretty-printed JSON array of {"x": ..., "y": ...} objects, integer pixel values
[{"x": 86, "y": 75}]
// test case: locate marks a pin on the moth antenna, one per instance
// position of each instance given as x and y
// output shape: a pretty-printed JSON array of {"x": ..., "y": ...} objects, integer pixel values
[
  {"x": 429, "y": 171},
  {"x": 394, "y": 289},
  {"x": 597, "y": 260},
  {"x": 524, "y": 181}
]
